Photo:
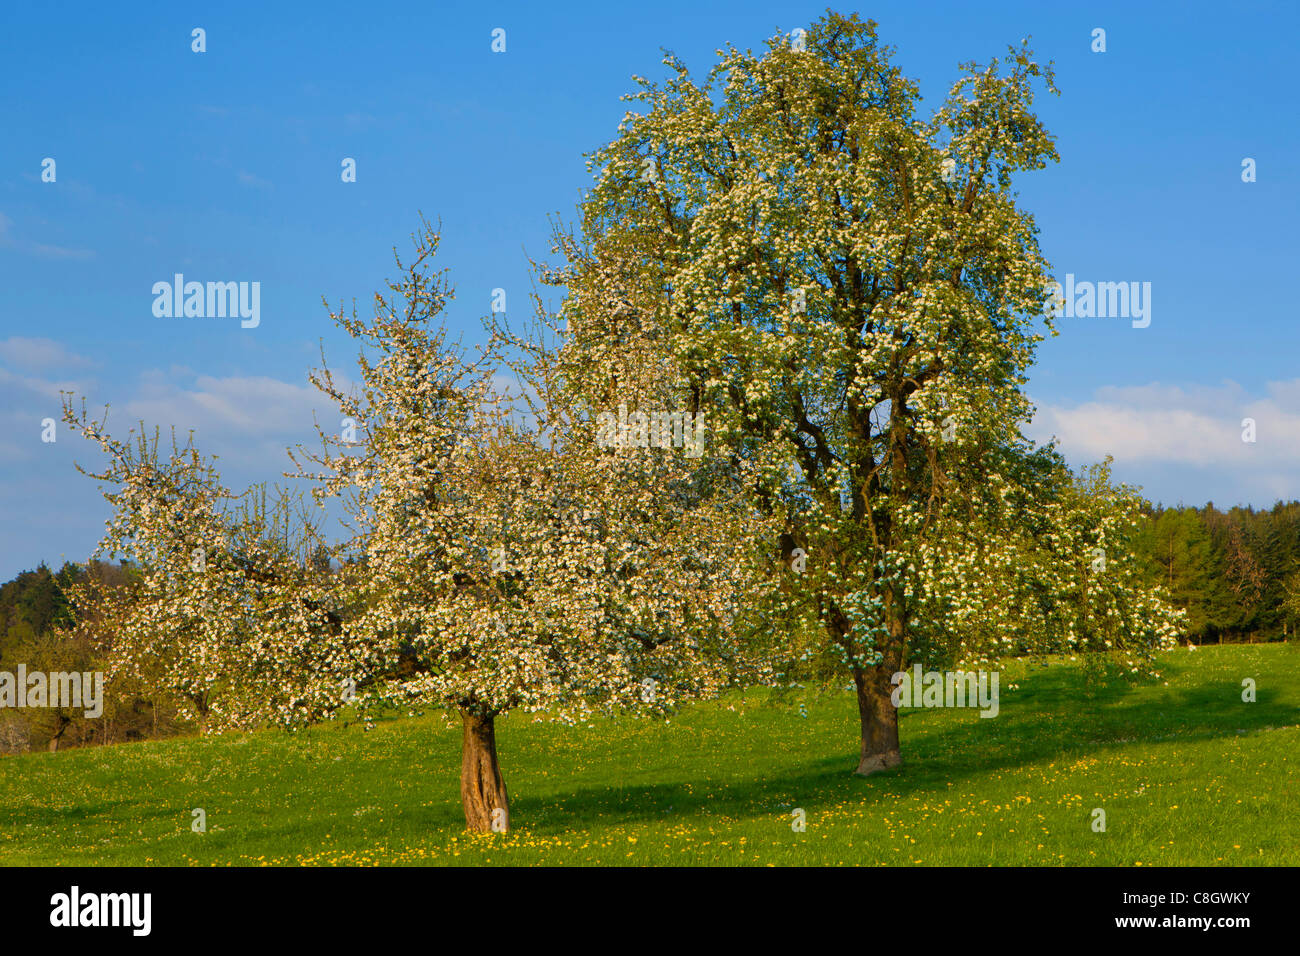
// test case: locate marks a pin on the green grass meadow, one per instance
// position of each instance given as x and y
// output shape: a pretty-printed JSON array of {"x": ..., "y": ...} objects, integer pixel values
[{"x": 1186, "y": 772}]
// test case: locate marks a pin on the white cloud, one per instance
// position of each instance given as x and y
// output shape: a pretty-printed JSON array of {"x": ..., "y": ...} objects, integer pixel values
[
  {"x": 255, "y": 405},
  {"x": 25, "y": 401},
  {"x": 39, "y": 354},
  {"x": 1150, "y": 429},
  {"x": 246, "y": 421}
]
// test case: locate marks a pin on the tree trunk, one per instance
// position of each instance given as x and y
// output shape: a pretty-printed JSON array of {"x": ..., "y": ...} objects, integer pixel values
[
  {"x": 879, "y": 720},
  {"x": 876, "y": 711},
  {"x": 482, "y": 788},
  {"x": 53, "y": 745}
]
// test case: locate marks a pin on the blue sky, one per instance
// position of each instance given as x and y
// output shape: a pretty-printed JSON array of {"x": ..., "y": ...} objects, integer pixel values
[{"x": 225, "y": 166}]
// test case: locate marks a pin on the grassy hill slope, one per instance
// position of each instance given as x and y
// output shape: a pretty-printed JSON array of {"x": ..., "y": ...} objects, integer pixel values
[{"x": 1186, "y": 772}]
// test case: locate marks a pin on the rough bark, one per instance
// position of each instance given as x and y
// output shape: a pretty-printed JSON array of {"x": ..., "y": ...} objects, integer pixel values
[
  {"x": 876, "y": 712},
  {"x": 879, "y": 720},
  {"x": 482, "y": 788}
]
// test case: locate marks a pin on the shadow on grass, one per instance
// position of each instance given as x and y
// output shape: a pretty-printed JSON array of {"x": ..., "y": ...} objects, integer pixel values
[
  {"x": 48, "y": 816},
  {"x": 1053, "y": 715}
]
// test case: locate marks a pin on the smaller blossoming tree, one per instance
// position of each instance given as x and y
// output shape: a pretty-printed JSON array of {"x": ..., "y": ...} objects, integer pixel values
[{"x": 505, "y": 560}]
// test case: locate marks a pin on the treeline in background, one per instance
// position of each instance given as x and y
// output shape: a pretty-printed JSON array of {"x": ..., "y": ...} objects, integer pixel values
[
  {"x": 1236, "y": 573},
  {"x": 38, "y": 628}
]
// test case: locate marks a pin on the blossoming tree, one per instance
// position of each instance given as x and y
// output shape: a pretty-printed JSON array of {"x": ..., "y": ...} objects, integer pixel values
[
  {"x": 850, "y": 291},
  {"x": 507, "y": 561}
]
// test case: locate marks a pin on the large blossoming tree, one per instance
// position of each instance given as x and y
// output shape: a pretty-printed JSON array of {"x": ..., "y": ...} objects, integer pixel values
[{"x": 850, "y": 292}]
